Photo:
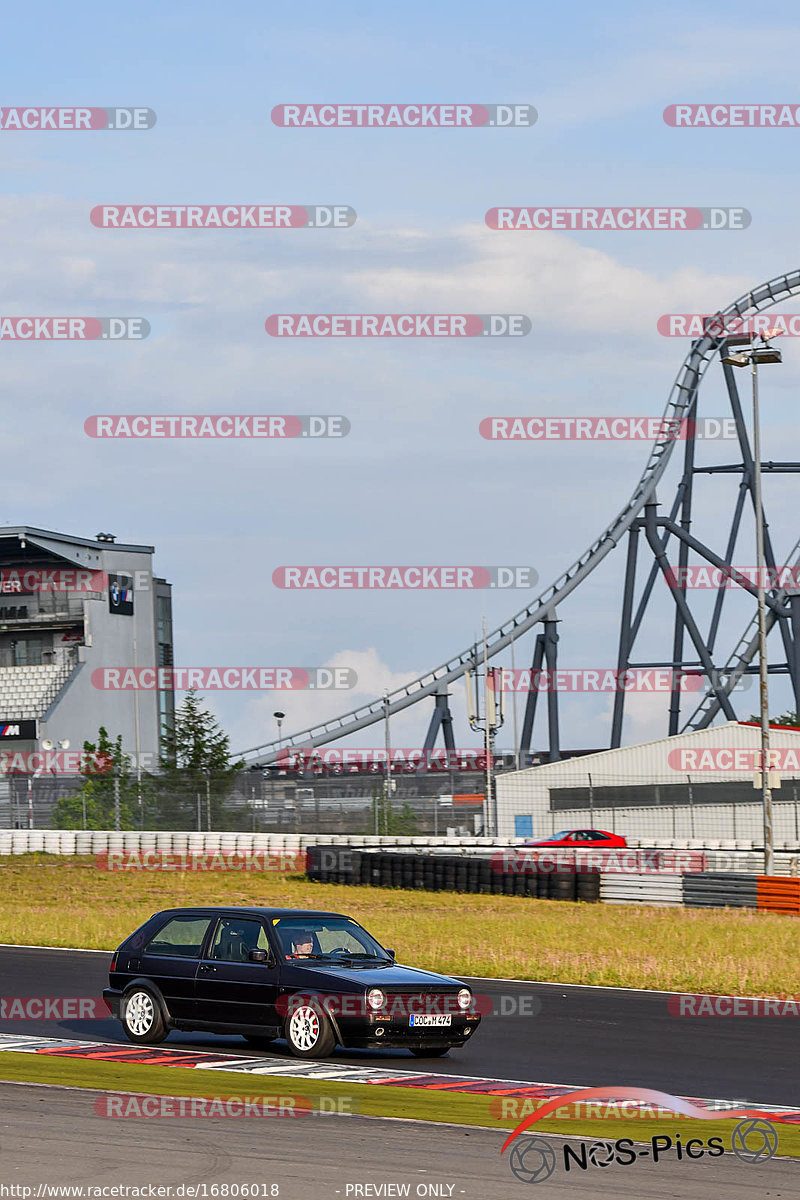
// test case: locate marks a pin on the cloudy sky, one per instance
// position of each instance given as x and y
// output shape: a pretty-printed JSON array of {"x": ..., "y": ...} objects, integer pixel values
[{"x": 413, "y": 482}]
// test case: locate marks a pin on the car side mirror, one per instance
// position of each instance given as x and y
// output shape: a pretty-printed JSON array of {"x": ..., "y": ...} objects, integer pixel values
[
  {"x": 259, "y": 956},
  {"x": 389, "y": 952}
]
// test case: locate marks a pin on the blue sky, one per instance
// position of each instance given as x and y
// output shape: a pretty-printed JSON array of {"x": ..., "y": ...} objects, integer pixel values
[{"x": 413, "y": 483}]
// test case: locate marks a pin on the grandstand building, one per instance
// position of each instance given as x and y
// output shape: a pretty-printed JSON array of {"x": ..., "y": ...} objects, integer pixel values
[{"x": 69, "y": 605}]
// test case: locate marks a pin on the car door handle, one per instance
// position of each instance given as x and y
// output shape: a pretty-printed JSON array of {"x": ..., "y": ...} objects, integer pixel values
[{"x": 207, "y": 967}]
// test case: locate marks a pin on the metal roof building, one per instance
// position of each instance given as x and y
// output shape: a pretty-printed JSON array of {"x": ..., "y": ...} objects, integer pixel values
[{"x": 694, "y": 785}]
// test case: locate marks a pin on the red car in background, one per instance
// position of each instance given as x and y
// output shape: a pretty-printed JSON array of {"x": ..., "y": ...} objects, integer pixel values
[{"x": 583, "y": 839}]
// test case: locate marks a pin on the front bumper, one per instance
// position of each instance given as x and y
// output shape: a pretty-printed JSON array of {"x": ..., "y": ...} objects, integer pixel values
[{"x": 397, "y": 1033}]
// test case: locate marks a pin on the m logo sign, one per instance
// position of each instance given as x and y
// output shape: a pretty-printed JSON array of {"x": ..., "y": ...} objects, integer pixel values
[{"x": 20, "y": 730}]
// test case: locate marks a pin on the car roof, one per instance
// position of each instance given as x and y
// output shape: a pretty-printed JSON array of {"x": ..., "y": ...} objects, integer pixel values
[{"x": 256, "y": 911}]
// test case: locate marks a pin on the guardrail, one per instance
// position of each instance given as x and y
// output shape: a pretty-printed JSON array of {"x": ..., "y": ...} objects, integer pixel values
[
  {"x": 515, "y": 874},
  {"x": 91, "y": 841},
  {"x": 477, "y": 865}
]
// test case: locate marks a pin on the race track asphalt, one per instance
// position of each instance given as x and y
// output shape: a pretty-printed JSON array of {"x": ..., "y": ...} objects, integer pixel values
[
  {"x": 579, "y": 1036},
  {"x": 50, "y": 1136}
]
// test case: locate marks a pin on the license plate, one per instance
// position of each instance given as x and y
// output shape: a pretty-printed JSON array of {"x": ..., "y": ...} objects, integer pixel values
[{"x": 424, "y": 1019}]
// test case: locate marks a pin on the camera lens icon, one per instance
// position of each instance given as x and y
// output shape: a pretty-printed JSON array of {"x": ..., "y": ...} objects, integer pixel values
[
  {"x": 601, "y": 1154},
  {"x": 754, "y": 1141},
  {"x": 532, "y": 1160}
]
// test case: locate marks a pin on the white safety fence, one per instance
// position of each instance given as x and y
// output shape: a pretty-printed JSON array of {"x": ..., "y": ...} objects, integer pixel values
[{"x": 721, "y": 854}]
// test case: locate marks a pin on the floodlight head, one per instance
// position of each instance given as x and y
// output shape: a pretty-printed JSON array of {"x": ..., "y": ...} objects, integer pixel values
[
  {"x": 767, "y": 355},
  {"x": 739, "y": 339},
  {"x": 737, "y": 360},
  {"x": 47, "y": 744}
]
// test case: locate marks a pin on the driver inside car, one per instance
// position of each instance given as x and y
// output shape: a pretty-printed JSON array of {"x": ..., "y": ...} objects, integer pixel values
[{"x": 302, "y": 944}]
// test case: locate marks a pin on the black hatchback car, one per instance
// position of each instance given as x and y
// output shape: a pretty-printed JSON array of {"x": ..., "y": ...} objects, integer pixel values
[{"x": 317, "y": 979}]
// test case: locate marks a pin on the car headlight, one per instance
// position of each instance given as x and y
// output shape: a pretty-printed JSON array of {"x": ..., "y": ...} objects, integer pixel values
[
  {"x": 464, "y": 998},
  {"x": 375, "y": 999}
]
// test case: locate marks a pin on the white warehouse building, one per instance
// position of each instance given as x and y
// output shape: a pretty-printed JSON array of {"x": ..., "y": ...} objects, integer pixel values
[{"x": 703, "y": 784}]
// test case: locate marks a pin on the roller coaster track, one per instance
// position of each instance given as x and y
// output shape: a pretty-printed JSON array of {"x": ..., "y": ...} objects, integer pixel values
[{"x": 682, "y": 395}]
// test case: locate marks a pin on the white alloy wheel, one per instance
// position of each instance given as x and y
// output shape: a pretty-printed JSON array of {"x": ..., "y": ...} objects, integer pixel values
[
  {"x": 140, "y": 1013},
  {"x": 304, "y": 1028}
]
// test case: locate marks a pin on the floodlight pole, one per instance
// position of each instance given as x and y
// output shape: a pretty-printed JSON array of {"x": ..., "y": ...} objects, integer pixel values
[
  {"x": 766, "y": 791},
  {"x": 387, "y": 804}
]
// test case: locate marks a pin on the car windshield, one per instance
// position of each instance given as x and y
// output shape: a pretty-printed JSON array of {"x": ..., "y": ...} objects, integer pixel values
[
  {"x": 326, "y": 937},
  {"x": 557, "y": 837}
]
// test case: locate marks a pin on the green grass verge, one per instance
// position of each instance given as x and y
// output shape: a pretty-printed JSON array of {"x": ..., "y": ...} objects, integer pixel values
[
  {"x": 50, "y": 900},
  {"x": 361, "y": 1099}
]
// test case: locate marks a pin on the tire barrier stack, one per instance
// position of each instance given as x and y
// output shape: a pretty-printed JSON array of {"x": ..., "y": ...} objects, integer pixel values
[
  {"x": 501, "y": 875},
  {"x": 489, "y": 866},
  {"x": 446, "y": 873}
]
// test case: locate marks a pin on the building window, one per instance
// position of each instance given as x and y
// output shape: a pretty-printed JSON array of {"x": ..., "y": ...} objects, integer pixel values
[{"x": 27, "y": 652}]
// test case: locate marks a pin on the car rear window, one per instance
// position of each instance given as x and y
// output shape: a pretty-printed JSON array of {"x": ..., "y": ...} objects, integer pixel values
[{"x": 181, "y": 937}]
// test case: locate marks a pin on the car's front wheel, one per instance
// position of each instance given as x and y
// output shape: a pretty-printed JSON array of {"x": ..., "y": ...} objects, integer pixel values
[
  {"x": 430, "y": 1051},
  {"x": 141, "y": 1017},
  {"x": 308, "y": 1032}
]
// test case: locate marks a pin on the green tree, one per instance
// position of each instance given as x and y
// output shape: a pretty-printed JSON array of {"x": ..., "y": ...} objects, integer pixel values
[
  {"x": 389, "y": 821},
  {"x": 196, "y": 763},
  {"x": 787, "y": 718},
  {"x": 102, "y": 762}
]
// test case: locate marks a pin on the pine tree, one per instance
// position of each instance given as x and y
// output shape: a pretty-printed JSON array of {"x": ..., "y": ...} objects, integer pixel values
[{"x": 195, "y": 762}]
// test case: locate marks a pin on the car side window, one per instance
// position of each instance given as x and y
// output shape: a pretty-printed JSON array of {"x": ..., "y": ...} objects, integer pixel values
[
  {"x": 235, "y": 937},
  {"x": 181, "y": 937}
]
